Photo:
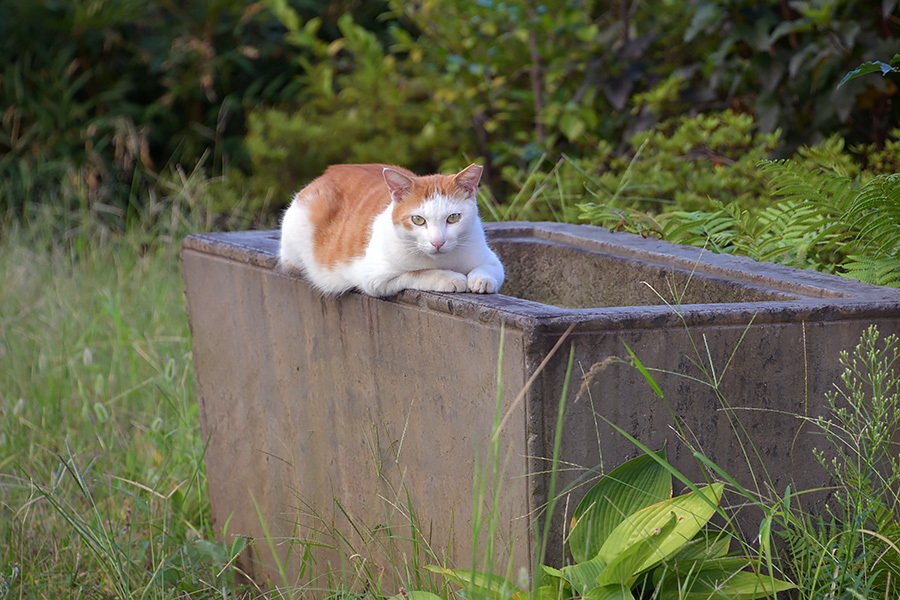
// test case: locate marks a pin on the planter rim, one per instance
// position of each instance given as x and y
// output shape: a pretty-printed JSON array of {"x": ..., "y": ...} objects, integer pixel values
[{"x": 813, "y": 297}]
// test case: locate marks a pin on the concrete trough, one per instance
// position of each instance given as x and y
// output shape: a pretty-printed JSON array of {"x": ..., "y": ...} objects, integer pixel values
[{"x": 336, "y": 415}]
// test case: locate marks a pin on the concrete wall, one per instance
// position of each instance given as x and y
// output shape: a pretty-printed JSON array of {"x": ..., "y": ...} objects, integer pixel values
[
  {"x": 321, "y": 411},
  {"x": 386, "y": 404}
]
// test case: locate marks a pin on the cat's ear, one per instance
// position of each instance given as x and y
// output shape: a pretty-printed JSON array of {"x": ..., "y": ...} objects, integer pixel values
[
  {"x": 398, "y": 183},
  {"x": 468, "y": 178}
]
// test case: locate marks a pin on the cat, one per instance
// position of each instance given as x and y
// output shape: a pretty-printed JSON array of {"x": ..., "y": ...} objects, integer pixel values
[{"x": 381, "y": 229}]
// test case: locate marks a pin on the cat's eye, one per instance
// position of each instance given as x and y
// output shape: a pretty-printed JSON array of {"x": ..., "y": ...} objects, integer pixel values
[
  {"x": 417, "y": 220},
  {"x": 454, "y": 218}
]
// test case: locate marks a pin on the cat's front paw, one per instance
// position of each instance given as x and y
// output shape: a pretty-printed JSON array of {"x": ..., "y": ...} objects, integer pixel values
[
  {"x": 446, "y": 281},
  {"x": 483, "y": 284}
]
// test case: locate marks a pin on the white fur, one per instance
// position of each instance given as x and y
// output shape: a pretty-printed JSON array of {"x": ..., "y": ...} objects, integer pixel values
[{"x": 397, "y": 259}]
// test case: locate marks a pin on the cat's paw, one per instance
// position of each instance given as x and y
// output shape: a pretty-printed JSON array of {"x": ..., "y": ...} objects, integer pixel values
[
  {"x": 445, "y": 281},
  {"x": 483, "y": 284}
]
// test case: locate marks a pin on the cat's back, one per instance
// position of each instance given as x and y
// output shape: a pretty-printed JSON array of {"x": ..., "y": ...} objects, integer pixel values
[
  {"x": 329, "y": 221},
  {"x": 346, "y": 196},
  {"x": 349, "y": 187}
]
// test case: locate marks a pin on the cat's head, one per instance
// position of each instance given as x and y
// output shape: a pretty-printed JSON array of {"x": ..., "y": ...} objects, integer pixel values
[{"x": 434, "y": 213}]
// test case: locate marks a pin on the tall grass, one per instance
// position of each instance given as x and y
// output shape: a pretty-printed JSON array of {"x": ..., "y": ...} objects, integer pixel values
[{"x": 102, "y": 484}]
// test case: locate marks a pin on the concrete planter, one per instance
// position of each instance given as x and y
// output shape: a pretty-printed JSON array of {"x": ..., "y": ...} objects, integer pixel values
[{"x": 385, "y": 404}]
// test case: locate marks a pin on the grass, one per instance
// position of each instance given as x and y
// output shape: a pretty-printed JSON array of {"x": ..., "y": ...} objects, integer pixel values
[{"x": 102, "y": 485}]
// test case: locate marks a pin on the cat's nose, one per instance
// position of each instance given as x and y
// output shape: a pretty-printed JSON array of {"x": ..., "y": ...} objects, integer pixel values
[{"x": 437, "y": 244}]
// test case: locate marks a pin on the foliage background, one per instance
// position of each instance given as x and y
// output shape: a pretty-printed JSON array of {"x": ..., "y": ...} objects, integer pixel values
[{"x": 101, "y": 98}]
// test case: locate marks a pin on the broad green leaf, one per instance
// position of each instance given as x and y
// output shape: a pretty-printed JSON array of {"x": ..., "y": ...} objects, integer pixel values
[
  {"x": 609, "y": 592},
  {"x": 548, "y": 592},
  {"x": 707, "y": 544},
  {"x": 626, "y": 567},
  {"x": 212, "y": 552},
  {"x": 723, "y": 579},
  {"x": 583, "y": 576},
  {"x": 692, "y": 511},
  {"x": 633, "y": 485},
  {"x": 493, "y": 586},
  {"x": 622, "y": 569},
  {"x": 551, "y": 585},
  {"x": 551, "y": 571}
]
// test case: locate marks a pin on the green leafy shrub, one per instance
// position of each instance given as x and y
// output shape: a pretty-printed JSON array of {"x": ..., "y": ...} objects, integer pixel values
[
  {"x": 785, "y": 61},
  {"x": 679, "y": 163},
  {"x": 822, "y": 210},
  {"x": 100, "y": 96},
  {"x": 569, "y": 77},
  {"x": 356, "y": 107},
  {"x": 434, "y": 93}
]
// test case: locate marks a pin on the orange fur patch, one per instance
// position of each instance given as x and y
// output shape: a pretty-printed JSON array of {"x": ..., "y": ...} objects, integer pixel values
[{"x": 342, "y": 203}]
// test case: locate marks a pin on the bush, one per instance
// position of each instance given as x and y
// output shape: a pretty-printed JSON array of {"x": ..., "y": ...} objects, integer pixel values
[
  {"x": 819, "y": 211},
  {"x": 680, "y": 163},
  {"x": 505, "y": 83},
  {"x": 356, "y": 107},
  {"x": 101, "y": 96}
]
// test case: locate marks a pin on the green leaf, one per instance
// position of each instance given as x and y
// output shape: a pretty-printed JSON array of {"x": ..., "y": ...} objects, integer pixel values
[
  {"x": 210, "y": 551},
  {"x": 491, "y": 585},
  {"x": 547, "y": 592},
  {"x": 609, "y": 592},
  {"x": 707, "y": 544},
  {"x": 583, "y": 576},
  {"x": 705, "y": 16},
  {"x": 723, "y": 579},
  {"x": 572, "y": 126},
  {"x": 551, "y": 571},
  {"x": 635, "y": 484},
  {"x": 872, "y": 67},
  {"x": 692, "y": 512},
  {"x": 626, "y": 567},
  {"x": 622, "y": 569}
]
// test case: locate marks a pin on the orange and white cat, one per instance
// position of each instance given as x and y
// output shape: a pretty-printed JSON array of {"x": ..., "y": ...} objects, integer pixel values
[{"x": 381, "y": 229}]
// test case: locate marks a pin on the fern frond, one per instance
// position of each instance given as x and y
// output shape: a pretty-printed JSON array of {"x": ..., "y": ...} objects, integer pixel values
[
  {"x": 876, "y": 214},
  {"x": 715, "y": 229},
  {"x": 793, "y": 182},
  {"x": 884, "y": 270}
]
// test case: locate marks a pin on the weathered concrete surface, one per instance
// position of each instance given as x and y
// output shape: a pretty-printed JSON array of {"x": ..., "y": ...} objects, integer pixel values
[{"x": 374, "y": 403}]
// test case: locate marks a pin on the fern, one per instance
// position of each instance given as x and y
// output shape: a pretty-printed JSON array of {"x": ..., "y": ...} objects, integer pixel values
[
  {"x": 878, "y": 208},
  {"x": 822, "y": 220},
  {"x": 884, "y": 270}
]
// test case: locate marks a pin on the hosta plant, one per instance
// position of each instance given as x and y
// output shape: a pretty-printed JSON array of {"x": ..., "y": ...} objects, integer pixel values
[{"x": 630, "y": 538}]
